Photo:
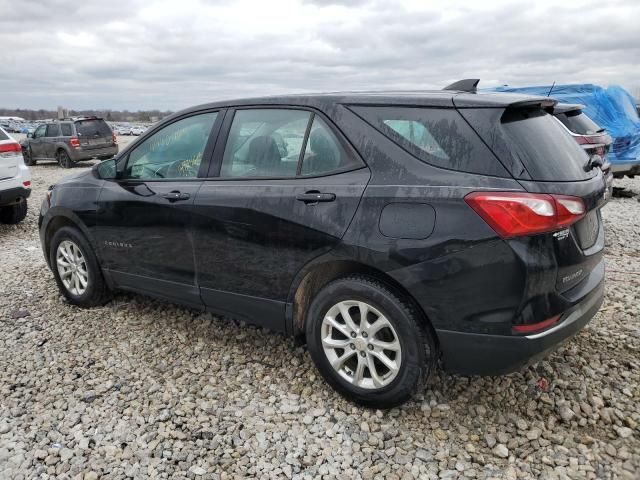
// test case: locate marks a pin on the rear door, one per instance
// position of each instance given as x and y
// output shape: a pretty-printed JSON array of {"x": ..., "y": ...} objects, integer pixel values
[
  {"x": 51, "y": 137},
  {"x": 144, "y": 216},
  {"x": 284, "y": 188}
]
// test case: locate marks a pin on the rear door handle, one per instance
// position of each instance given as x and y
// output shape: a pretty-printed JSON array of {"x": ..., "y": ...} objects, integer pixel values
[
  {"x": 176, "y": 196},
  {"x": 315, "y": 197}
]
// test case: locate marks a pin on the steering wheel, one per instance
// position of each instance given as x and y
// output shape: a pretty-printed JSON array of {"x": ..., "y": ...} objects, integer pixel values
[{"x": 183, "y": 168}]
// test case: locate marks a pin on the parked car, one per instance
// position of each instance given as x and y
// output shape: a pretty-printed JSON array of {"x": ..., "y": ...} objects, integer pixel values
[
  {"x": 15, "y": 180},
  {"x": 136, "y": 130},
  {"x": 591, "y": 137},
  {"x": 397, "y": 229},
  {"x": 70, "y": 141},
  {"x": 120, "y": 130}
]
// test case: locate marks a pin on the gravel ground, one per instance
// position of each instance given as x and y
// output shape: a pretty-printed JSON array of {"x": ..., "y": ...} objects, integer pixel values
[{"x": 144, "y": 389}]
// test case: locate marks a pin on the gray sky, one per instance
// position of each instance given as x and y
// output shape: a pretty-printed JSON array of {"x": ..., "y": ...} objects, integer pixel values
[{"x": 131, "y": 54}]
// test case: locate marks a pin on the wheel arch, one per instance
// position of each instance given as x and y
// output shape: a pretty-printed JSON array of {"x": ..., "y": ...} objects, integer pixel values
[
  {"x": 321, "y": 273},
  {"x": 66, "y": 219}
]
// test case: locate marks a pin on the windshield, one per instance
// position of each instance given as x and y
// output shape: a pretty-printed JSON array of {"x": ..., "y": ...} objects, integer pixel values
[
  {"x": 577, "y": 122},
  {"x": 93, "y": 127}
]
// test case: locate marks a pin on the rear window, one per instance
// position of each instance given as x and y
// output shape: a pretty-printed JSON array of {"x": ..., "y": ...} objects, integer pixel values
[
  {"x": 543, "y": 147},
  {"x": 436, "y": 136},
  {"x": 3, "y": 136},
  {"x": 93, "y": 127},
  {"x": 578, "y": 122}
]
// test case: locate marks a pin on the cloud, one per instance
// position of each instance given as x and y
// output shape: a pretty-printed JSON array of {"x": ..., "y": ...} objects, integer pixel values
[{"x": 168, "y": 55}]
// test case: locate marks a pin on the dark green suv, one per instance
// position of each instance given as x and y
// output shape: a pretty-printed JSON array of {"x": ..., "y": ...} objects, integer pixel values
[{"x": 69, "y": 141}]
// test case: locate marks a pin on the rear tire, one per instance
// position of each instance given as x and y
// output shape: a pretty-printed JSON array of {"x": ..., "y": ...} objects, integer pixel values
[
  {"x": 70, "y": 253},
  {"x": 28, "y": 158},
  {"x": 386, "y": 363},
  {"x": 13, "y": 214},
  {"x": 63, "y": 159}
]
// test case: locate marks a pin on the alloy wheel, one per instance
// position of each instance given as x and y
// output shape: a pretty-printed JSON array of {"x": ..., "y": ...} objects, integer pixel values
[
  {"x": 361, "y": 344},
  {"x": 72, "y": 267}
]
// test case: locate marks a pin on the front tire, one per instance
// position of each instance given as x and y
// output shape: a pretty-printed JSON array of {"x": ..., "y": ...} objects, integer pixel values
[
  {"x": 76, "y": 269},
  {"x": 15, "y": 213},
  {"x": 63, "y": 159},
  {"x": 368, "y": 342},
  {"x": 28, "y": 157}
]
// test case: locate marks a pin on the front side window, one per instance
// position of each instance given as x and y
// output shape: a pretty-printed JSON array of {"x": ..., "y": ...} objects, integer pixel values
[
  {"x": 265, "y": 143},
  {"x": 39, "y": 132},
  {"x": 53, "y": 130},
  {"x": 175, "y": 151}
]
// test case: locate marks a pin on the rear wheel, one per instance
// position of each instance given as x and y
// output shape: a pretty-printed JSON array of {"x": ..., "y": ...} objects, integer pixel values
[
  {"x": 63, "y": 159},
  {"x": 76, "y": 269},
  {"x": 28, "y": 157},
  {"x": 368, "y": 342},
  {"x": 15, "y": 213}
]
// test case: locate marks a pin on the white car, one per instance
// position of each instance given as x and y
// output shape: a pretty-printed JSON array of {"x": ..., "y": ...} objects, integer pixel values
[
  {"x": 137, "y": 130},
  {"x": 15, "y": 180}
]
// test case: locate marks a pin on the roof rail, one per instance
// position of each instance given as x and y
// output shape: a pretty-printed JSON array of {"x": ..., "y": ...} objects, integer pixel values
[{"x": 469, "y": 85}]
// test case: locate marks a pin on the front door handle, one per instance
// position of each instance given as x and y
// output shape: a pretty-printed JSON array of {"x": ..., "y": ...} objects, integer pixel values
[
  {"x": 176, "y": 196},
  {"x": 315, "y": 197}
]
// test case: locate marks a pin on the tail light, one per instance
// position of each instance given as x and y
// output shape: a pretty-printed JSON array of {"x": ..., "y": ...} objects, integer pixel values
[
  {"x": 10, "y": 148},
  {"x": 114, "y": 140},
  {"x": 515, "y": 214},
  {"x": 26, "y": 184},
  {"x": 74, "y": 142}
]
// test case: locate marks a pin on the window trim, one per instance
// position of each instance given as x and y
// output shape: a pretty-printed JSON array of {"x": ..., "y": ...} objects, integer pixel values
[
  {"x": 223, "y": 135},
  {"x": 207, "y": 154}
]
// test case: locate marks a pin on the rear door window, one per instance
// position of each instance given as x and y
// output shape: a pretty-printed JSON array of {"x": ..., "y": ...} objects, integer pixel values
[
  {"x": 324, "y": 154},
  {"x": 437, "y": 136},
  {"x": 52, "y": 130},
  {"x": 92, "y": 128},
  {"x": 577, "y": 122},
  {"x": 66, "y": 129}
]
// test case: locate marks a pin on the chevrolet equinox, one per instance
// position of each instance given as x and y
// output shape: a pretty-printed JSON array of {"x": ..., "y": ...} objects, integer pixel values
[{"x": 389, "y": 231}]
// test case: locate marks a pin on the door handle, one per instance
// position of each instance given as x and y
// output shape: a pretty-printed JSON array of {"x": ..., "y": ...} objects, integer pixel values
[
  {"x": 312, "y": 197},
  {"x": 176, "y": 196}
]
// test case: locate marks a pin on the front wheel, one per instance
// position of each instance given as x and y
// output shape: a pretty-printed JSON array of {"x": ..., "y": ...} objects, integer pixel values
[
  {"x": 63, "y": 159},
  {"x": 368, "y": 342},
  {"x": 76, "y": 269}
]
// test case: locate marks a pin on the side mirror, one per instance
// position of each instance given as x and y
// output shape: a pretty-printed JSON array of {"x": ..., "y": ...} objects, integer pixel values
[{"x": 106, "y": 170}]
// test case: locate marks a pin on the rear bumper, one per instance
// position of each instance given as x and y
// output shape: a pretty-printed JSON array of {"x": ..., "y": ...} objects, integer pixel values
[
  {"x": 481, "y": 354},
  {"x": 13, "y": 195},
  {"x": 78, "y": 154}
]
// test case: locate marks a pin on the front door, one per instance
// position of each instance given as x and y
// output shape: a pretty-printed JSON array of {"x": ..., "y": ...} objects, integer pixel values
[
  {"x": 36, "y": 144},
  {"x": 287, "y": 189},
  {"x": 144, "y": 217}
]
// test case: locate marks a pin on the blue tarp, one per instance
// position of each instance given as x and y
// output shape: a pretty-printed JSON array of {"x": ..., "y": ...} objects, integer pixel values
[{"x": 612, "y": 108}]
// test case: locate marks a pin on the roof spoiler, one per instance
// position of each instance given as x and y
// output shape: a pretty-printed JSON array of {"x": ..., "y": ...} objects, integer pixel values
[{"x": 469, "y": 85}]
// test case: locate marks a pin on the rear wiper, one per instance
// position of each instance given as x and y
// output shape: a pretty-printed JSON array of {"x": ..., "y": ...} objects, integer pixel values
[{"x": 593, "y": 162}]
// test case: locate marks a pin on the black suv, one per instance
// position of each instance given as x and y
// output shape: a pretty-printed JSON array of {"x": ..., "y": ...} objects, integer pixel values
[
  {"x": 69, "y": 141},
  {"x": 387, "y": 230}
]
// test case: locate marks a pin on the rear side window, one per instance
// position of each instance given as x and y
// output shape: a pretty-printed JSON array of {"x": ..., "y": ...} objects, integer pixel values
[
  {"x": 52, "y": 130},
  {"x": 542, "y": 146},
  {"x": 578, "y": 122},
  {"x": 436, "y": 136},
  {"x": 66, "y": 129},
  {"x": 93, "y": 127}
]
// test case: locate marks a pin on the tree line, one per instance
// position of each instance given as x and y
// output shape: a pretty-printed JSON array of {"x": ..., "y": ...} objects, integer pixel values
[{"x": 109, "y": 115}]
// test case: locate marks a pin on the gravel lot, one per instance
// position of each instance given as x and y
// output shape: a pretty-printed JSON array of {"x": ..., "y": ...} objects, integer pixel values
[{"x": 144, "y": 389}]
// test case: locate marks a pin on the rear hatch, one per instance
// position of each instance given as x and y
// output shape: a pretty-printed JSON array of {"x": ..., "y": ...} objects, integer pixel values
[
  {"x": 10, "y": 156},
  {"x": 93, "y": 133},
  {"x": 546, "y": 159}
]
